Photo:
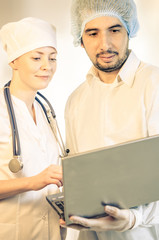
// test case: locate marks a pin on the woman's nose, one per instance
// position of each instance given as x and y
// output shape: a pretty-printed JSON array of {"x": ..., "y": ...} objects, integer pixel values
[{"x": 46, "y": 64}]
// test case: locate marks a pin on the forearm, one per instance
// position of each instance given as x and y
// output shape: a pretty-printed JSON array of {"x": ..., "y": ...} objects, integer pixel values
[
  {"x": 9, "y": 188},
  {"x": 50, "y": 175}
]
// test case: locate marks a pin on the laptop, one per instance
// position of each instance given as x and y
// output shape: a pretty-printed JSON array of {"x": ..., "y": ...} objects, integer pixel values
[{"x": 124, "y": 175}]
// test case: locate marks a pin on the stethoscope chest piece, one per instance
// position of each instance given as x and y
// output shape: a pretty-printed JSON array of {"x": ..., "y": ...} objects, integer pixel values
[{"x": 15, "y": 164}]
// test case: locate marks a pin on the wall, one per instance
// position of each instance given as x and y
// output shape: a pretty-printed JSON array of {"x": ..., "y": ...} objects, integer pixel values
[{"x": 73, "y": 63}]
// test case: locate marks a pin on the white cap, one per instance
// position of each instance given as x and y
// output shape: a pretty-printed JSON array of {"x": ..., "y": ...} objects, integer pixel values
[
  {"x": 26, "y": 35},
  {"x": 83, "y": 11}
]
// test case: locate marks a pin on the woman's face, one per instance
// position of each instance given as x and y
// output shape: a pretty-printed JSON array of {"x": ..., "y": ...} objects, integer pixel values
[{"x": 35, "y": 69}]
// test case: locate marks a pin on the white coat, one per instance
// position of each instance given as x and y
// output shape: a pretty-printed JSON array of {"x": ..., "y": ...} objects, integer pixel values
[
  {"x": 27, "y": 216},
  {"x": 99, "y": 114}
]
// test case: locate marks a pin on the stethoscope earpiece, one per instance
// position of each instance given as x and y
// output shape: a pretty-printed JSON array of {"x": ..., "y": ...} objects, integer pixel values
[{"x": 15, "y": 164}]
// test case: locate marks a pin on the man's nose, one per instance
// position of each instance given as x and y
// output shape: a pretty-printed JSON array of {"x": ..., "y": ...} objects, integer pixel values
[{"x": 105, "y": 42}]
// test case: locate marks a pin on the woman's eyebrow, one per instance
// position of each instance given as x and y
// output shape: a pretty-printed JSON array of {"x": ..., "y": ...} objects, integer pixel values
[{"x": 44, "y": 53}]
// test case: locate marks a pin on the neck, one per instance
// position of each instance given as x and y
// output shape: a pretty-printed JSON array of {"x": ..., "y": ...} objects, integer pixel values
[
  {"x": 27, "y": 96},
  {"x": 107, "y": 77}
]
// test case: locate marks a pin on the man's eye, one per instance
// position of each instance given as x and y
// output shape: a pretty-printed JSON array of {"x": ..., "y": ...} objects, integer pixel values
[
  {"x": 93, "y": 34},
  {"x": 115, "y": 30}
]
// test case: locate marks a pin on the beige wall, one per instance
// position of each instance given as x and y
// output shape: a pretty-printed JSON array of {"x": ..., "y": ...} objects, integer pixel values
[
  {"x": 146, "y": 44},
  {"x": 71, "y": 70},
  {"x": 73, "y": 62}
]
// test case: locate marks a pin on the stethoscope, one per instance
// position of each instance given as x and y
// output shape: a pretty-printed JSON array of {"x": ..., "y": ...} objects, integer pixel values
[{"x": 16, "y": 164}]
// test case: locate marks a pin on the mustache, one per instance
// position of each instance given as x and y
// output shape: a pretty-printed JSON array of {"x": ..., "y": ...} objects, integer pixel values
[{"x": 105, "y": 52}]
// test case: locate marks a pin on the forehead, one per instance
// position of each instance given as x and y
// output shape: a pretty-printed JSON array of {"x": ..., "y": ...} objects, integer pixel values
[
  {"x": 43, "y": 50},
  {"x": 103, "y": 22}
]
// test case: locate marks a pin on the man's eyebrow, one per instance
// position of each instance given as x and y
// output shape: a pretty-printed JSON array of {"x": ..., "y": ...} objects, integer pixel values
[
  {"x": 91, "y": 29},
  {"x": 116, "y": 26},
  {"x": 96, "y": 29}
]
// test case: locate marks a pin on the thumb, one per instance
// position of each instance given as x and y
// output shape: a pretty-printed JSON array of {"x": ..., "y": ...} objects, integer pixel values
[{"x": 114, "y": 212}]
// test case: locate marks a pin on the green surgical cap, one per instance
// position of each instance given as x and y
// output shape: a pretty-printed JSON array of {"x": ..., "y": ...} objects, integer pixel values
[{"x": 83, "y": 11}]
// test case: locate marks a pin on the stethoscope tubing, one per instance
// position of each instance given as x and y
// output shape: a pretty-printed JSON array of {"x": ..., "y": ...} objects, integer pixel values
[
  {"x": 12, "y": 118},
  {"x": 50, "y": 115}
]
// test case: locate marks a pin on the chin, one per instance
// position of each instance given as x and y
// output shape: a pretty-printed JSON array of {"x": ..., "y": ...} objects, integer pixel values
[{"x": 43, "y": 85}]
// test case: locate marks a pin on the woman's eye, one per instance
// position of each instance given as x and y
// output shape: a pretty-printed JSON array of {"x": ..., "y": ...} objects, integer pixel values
[
  {"x": 53, "y": 59},
  {"x": 36, "y": 58}
]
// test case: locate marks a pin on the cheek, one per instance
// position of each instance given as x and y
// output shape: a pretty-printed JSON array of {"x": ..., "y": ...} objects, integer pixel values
[
  {"x": 123, "y": 46},
  {"x": 90, "y": 46},
  {"x": 53, "y": 69},
  {"x": 91, "y": 50},
  {"x": 27, "y": 72}
]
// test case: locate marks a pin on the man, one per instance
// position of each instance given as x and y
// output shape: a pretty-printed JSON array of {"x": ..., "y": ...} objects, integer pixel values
[{"x": 118, "y": 102}]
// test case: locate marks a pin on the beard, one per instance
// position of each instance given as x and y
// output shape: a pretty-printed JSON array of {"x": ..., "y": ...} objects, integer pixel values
[{"x": 113, "y": 67}]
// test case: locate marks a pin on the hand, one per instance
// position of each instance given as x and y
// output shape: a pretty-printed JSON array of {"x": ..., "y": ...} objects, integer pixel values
[
  {"x": 73, "y": 226},
  {"x": 51, "y": 175},
  {"x": 118, "y": 220}
]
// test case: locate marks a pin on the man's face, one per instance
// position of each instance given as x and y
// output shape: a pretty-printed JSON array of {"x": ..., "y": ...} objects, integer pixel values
[{"x": 106, "y": 42}]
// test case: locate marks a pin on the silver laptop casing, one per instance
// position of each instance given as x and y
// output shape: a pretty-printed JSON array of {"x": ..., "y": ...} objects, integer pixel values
[{"x": 124, "y": 175}]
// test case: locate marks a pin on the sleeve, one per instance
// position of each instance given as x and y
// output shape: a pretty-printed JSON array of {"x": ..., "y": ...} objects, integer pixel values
[
  {"x": 152, "y": 107},
  {"x": 148, "y": 215}
]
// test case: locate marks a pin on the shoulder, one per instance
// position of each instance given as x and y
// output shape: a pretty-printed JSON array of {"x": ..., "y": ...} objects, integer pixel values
[
  {"x": 149, "y": 77},
  {"x": 148, "y": 67},
  {"x": 141, "y": 72},
  {"x": 4, "y": 118},
  {"x": 148, "y": 71},
  {"x": 3, "y": 105}
]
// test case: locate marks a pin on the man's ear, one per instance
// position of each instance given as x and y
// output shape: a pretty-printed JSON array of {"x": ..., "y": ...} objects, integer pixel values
[
  {"x": 13, "y": 65},
  {"x": 82, "y": 45}
]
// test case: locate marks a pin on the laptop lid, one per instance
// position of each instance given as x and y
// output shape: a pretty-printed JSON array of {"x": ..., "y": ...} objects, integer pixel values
[{"x": 124, "y": 175}]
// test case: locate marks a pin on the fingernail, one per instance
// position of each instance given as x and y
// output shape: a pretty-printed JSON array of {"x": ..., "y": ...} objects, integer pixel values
[{"x": 108, "y": 208}]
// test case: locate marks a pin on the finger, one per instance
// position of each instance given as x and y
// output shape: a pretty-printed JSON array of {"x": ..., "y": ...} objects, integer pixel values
[
  {"x": 57, "y": 182},
  {"x": 62, "y": 222},
  {"x": 81, "y": 221},
  {"x": 115, "y": 212},
  {"x": 73, "y": 226},
  {"x": 57, "y": 176},
  {"x": 92, "y": 224},
  {"x": 56, "y": 168}
]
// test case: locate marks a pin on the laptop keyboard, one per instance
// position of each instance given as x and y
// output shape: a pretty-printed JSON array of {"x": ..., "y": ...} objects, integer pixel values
[
  {"x": 57, "y": 202},
  {"x": 60, "y": 204}
]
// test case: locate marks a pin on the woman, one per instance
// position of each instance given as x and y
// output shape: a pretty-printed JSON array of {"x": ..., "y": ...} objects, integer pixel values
[{"x": 24, "y": 212}]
